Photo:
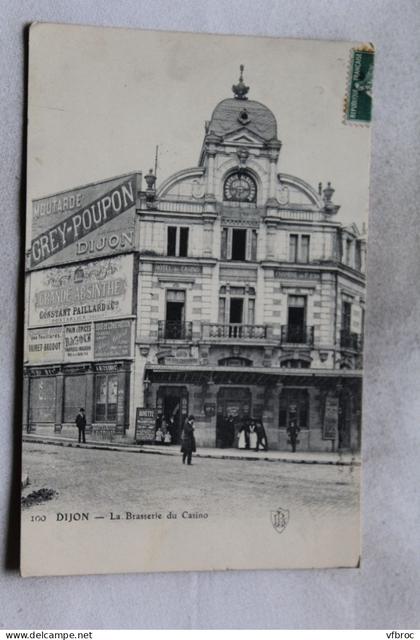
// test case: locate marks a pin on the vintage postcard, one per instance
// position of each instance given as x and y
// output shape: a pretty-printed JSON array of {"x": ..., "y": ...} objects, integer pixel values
[{"x": 195, "y": 298}]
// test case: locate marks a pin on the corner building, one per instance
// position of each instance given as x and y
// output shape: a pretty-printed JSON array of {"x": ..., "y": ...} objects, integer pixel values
[{"x": 250, "y": 294}]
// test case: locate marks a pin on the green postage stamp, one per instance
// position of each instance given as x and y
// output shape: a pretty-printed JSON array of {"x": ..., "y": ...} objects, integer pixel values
[{"x": 358, "y": 106}]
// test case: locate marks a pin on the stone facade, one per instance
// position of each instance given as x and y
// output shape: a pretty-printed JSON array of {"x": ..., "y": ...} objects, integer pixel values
[
  {"x": 250, "y": 295},
  {"x": 242, "y": 298}
]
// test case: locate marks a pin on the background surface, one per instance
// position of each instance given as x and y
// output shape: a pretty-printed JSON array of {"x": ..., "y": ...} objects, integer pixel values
[{"x": 384, "y": 592}]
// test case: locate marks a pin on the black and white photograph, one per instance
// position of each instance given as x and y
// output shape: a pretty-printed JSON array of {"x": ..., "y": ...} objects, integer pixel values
[{"x": 195, "y": 277}]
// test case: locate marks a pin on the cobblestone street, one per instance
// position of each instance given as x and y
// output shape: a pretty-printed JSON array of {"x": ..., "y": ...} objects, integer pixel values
[{"x": 103, "y": 481}]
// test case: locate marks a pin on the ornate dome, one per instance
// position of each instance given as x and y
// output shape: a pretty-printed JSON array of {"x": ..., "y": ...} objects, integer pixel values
[{"x": 235, "y": 113}]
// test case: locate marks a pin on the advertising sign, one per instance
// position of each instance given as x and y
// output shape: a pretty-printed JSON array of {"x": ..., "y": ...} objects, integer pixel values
[
  {"x": 44, "y": 345},
  {"x": 93, "y": 221},
  {"x": 330, "y": 425},
  {"x": 145, "y": 425},
  {"x": 78, "y": 342},
  {"x": 113, "y": 339},
  {"x": 94, "y": 291}
]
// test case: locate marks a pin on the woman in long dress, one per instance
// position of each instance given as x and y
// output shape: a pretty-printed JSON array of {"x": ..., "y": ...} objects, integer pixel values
[
  {"x": 252, "y": 435},
  {"x": 241, "y": 439}
]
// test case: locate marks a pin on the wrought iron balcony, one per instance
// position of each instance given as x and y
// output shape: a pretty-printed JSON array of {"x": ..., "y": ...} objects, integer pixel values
[
  {"x": 297, "y": 334},
  {"x": 173, "y": 330},
  {"x": 351, "y": 341},
  {"x": 234, "y": 331}
]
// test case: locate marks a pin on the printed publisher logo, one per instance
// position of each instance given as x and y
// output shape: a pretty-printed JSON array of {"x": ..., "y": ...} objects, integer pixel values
[{"x": 280, "y": 519}]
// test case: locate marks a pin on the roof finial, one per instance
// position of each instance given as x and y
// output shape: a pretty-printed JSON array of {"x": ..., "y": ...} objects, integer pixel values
[{"x": 240, "y": 90}]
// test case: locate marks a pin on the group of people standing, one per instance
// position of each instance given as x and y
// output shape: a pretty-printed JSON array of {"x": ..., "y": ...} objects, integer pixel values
[
  {"x": 252, "y": 435},
  {"x": 165, "y": 431}
]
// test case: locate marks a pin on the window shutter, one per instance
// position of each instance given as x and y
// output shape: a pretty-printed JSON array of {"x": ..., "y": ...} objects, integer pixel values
[{"x": 224, "y": 244}]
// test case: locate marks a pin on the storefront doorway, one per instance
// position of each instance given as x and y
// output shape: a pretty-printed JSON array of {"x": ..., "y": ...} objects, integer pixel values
[
  {"x": 294, "y": 408},
  {"x": 233, "y": 409},
  {"x": 172, "y": 409},
  {"x": 344, "y": 421}
]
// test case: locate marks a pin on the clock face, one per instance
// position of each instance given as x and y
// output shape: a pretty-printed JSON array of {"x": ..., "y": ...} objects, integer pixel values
[{"x": 240, "y": 187}]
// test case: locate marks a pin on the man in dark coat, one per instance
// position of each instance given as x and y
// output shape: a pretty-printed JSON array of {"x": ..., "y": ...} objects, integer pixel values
[
  {"x": 188, "y": 440},
  {"x": 261, "y": 436},
  {"x": 81, "y": 425},
  {"x": 293, "y": 431}
]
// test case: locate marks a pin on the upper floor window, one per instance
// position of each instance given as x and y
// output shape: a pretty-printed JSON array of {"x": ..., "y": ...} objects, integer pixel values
[
  {"x": 358, "y": 256},
  {"x": 240, "y": 187},
  {"x": 299, "y": 248},
  {"x": 348, "y": 251},
  {"x": 236, "y": 306},
  {"x": 177, "y": 243},
  {"x": 239, "y": 244}
]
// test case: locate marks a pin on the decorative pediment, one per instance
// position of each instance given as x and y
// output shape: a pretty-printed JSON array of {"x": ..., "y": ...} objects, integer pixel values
[{"x": 243, "y": 136}]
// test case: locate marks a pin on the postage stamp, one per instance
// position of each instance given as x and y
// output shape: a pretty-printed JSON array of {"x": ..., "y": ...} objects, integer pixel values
[{"x": 358, "y": 101}]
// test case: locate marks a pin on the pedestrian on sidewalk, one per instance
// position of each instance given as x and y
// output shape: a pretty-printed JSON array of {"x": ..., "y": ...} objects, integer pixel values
[
  {"x": 188, "y": 446},
  {"x": 293, "y": 431},
  {"x": 81, "y": 425},
  {"x": 253, "y": 434},
  {"x": 243, "y": 440},
  {"x": 261, "y": 436}
]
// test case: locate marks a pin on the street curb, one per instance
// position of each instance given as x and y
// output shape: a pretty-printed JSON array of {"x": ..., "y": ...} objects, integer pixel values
[{"x": 132, "y": 449}]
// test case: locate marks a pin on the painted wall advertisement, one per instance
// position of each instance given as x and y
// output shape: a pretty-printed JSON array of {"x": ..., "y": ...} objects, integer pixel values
[
  {"x": 79, "y": 342},
  {"x": 93, "y": 221},
  {"x": 113, "y": 339},
  {"x": 99, "y": 290}
]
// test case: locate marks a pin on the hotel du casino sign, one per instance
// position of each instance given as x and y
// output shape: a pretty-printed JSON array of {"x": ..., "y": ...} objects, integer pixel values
[{"x": 92, "y": 221}]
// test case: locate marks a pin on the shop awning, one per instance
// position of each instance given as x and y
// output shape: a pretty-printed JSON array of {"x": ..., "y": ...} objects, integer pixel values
[{"x": 206, "y": 374}]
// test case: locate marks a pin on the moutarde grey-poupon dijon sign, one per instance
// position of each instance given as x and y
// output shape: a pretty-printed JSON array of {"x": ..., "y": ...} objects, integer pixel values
[{"x": 195, "y": 301}]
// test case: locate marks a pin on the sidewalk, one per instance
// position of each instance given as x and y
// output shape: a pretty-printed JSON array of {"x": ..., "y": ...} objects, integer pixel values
[{"x": 300, "y": 457}]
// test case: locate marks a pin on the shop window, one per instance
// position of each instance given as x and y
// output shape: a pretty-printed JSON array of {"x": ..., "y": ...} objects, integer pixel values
[
  {"x": 74, "y": 396},
  {"x": 106, "y": 394},
  {"x": 239, "y": 244},
  {"x": 177, "y": 242},
  {"x": 42, "y": 399},
  {"x": 294, "y": 407},
  {"x": 299, "y": 248}
]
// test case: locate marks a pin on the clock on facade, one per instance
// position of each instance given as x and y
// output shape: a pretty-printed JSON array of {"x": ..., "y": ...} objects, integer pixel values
[{"x": 240, "y": 187}]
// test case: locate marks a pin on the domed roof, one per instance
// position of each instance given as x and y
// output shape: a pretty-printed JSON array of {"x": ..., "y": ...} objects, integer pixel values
[{"x": 234, "y": 113}]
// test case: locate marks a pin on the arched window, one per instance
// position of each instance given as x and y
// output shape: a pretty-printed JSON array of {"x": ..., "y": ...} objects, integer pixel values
[
  {"x": 240, "y": 187},
  {"x": 239, "y": 361},
  {"x": 295, "y": 364}
]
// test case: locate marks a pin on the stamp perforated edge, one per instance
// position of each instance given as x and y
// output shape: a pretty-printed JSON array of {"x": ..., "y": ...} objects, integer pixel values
[{"x": 368, "y": 47}]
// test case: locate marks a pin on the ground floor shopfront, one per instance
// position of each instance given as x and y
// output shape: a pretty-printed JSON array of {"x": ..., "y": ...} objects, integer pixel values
[
  {"x": 326, "y": 406},
  {"x": 54, "y": 394}
]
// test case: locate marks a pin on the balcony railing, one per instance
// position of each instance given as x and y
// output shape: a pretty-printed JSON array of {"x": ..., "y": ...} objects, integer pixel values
[
  {"x": 173, "y": 330},
  {"x": 297, "y": 334},
  {"x": 236, "y": 331},
  {"x": 351, "y": 341}
]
